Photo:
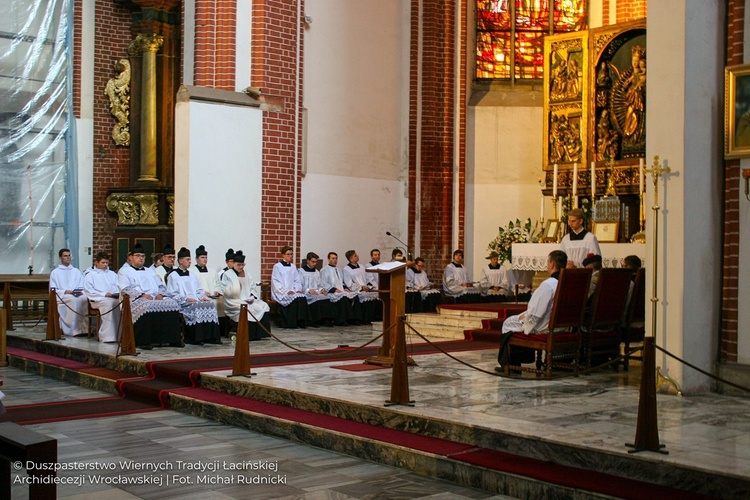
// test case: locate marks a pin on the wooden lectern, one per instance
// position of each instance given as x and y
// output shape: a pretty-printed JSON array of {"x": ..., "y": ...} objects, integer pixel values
[{"x": 392, "y": 291}]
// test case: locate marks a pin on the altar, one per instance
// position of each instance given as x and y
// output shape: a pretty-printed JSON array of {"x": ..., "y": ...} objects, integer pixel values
[{"x": 533, "y": 256}]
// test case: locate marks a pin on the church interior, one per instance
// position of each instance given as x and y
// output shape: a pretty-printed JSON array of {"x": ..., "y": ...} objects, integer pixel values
[{"x": 426, "y": 126}]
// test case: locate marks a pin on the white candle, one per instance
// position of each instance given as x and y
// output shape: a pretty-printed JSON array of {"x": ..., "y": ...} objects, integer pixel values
[
  {"x": 640, "y": 176},
  {"x": 575, "y": 180},
  {"x": 554, "y": 181},
  {"x": 541, "y": 210},
  {"x": 593, "y": 181}
]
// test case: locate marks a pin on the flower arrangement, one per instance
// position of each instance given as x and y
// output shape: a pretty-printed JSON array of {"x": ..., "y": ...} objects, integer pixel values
[{"x": 514, "y": 232}]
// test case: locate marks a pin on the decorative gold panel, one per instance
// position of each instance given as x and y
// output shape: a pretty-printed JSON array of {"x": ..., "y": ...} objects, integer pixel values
[
  {"x": 118, "y": 92},
  {"x": 134, "y": 209}
]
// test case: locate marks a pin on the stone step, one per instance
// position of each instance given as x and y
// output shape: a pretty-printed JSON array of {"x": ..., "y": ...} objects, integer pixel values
[
  {"x": 466, "y": 313},
  {"x": 453, "y": 333},
  {"x": 440, "y": 320}
]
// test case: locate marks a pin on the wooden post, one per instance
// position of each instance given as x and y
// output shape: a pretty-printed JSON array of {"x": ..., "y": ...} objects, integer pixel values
[
  {"x": 127, "y": 337},
  {"x": 53, "y": 318},
  {"x": 3, "y": 354},
  {"x": 647, "y": 428},
  {"x": 241, "y": 367},
  {"x": 8, "y": 307}
]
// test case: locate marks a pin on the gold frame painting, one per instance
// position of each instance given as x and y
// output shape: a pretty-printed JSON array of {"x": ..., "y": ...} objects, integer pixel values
[
  {"x": 606, "y": 232},
  {"x": 737, "y": 111},
  {"x": 551, "y": 231}
]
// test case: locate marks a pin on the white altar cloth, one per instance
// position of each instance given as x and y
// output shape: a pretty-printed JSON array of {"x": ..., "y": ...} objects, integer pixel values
[{"x": 533, "y": 256}]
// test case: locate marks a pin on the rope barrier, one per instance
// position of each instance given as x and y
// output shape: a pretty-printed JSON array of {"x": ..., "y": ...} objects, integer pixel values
[
  {"x": 88, "y": 315},
  {"x": 312, "y": 354},
  {"x": 718, "y": 379}
]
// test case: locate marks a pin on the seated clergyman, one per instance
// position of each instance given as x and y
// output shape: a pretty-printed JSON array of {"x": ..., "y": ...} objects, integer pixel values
[
  {"x": 156, "y": 317},
  {"x": 456, "y": 281},
  {"x": 535, "y": 319},
  {"x": 318, "y": 302},
  {"x": 198, "y": 311},
  {"x": 346, "y": 307},
  {"x": 238, "y": 288}
]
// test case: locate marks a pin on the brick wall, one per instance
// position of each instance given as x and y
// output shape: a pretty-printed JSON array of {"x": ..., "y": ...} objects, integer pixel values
[
  {"x": 215, "y": 37},
  {"x": 630, "y": 10},
  {"x": 275, "y": 28},
  {"x": 111, "y": 163},
  {"x": 438, "y": 138},
  {"x": 735, "y": 43}
]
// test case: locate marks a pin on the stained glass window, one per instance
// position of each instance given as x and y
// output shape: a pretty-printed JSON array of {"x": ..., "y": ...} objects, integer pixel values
[{"x": 510, "y": 34}]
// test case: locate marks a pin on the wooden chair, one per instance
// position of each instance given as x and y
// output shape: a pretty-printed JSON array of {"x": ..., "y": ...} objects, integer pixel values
[
  {"x": 95, "y": 322},
  {"x": 634, "y": 328},
  {"x": 566, "y": 318},
  {"x": 602, "y": 326}
]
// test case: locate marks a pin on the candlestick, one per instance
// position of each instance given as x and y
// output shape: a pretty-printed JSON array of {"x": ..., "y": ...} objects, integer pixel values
[
  {"x": 541, "y": 210},
  {"x": 575, "y": 179},
  {"x": 593, "y": 181},
  {"x": 554, "y": 181},
  {"x": 640, "y": 175}
]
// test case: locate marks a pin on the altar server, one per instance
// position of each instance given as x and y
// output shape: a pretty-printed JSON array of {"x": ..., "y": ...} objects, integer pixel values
[
  {"x": 494, "y": 282},
  {"x": 578, "y": 243},
  {"x": 198, "y": 311},
  {"x": 156, "y": 317},
  {"x": 286, "y": 289},
  {"x": 456, "y": 282},
  {"x": 103, "y": 293},
  {"x": 72, "y": 304},
  {"x": 362, "y": 283},
  {"x": 318, "y": 303},
  {"x": 346, "y": 307},
  {"x": 420, "y": 294},
  {"x": 238, "y": 287}
]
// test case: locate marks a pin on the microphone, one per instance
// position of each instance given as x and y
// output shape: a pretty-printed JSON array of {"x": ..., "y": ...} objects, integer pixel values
[{"x": 407, "y": 246}]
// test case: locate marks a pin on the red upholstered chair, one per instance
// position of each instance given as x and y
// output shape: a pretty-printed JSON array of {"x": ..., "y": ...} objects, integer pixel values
[
  {"x": 602, "y": 326},
  {"x": 634, "y": 328},
  {"x": 562, "y": 348}
]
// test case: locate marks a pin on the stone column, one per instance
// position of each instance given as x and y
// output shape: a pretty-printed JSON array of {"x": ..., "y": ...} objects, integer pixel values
[
  {"x": 685, "y": 57},
  {"x": 148, "y": 46}
]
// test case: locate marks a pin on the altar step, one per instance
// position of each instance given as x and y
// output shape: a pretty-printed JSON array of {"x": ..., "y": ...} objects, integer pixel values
[{"x": 448, "y": 323}]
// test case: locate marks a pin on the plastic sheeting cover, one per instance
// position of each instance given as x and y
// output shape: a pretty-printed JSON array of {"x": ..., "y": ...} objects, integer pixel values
[{"x": 35, "y": 134}]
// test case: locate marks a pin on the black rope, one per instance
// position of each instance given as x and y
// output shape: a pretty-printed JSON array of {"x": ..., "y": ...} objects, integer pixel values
[
  {"x": 718, "y": 379},
  {"x": 88, "y": 315}
]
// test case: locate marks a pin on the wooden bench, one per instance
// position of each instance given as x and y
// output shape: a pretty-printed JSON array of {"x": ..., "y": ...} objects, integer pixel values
[
  {"x": 19, "y": 444},
  {"x": 24, "y": 296}
]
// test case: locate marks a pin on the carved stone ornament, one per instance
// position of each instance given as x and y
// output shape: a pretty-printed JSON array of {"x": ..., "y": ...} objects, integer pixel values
[
  {"x": 118, "y": 91},
  {"x": 134, "y": 209},
  {"x": 170, "y": 204}
]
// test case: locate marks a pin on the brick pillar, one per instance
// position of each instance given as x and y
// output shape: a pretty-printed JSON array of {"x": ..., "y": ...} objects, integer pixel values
[
  {"x": 215, "y": 35},
  {"x": 276, "y": 69},
  {"x": 439, "y": 132},
  {"x": 630, "y": 10},
  {"x": 731, "y": 250}
]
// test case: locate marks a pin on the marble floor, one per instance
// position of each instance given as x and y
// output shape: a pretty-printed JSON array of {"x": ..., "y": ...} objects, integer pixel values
[
  {"x": 705, "y": 432},
  {"x": 178, "y": 443}
]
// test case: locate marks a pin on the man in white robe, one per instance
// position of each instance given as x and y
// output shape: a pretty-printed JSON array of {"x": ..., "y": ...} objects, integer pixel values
[
  {"x": 578, "y": 243},
  {"x": 238, "y": 287},
  {"x": 168, "y": 263},
  {"x": 535, "y": 319},
  {"x": 156, "y": 317},
  {"x": 220, "y": 308},
  {"x": 318, "y": 303},
  {"x": 286, "y": 290},
  {"x": 374, "y": 279},
  {"x": 494, "y": 281},
  {"x": 360, "y": 282},
  {"x": 72, "y": 304},
  {"x": 103, "y": 293},
  {"x": 197, "y": 309},
  {"x": 420, "y": 294},
  {"x": 456, "y": 281},
  {"x": 346, "y": 307}
]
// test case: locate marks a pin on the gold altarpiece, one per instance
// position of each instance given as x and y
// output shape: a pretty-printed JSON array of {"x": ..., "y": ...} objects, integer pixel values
[{"x": 595, "y": 110}]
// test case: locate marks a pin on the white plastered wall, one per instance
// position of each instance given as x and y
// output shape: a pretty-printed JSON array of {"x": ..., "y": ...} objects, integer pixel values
[
  {"x": 356, "y": 95},
  {"x": 218, "y": 197}
]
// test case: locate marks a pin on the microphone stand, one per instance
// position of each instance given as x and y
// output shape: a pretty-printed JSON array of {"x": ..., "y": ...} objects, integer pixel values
[{"x": 407, "y": 246}]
